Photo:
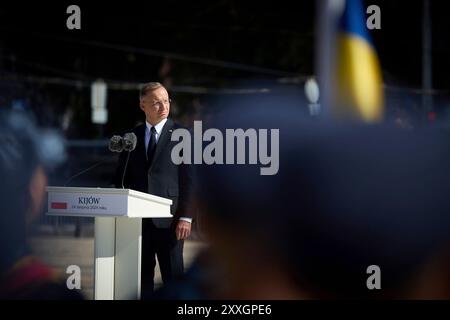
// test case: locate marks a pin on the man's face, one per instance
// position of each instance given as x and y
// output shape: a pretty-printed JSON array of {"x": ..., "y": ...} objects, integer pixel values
[{"x": 155, "y": 105}]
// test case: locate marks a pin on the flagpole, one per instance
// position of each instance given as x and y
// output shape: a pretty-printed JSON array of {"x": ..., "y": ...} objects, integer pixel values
[
  {"x": 323, "y": 52},
  {"x": 427, "y": 62},
  {"x": 326, "y": 19}
]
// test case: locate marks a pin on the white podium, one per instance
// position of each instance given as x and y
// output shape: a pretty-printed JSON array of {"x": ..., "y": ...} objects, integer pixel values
[{"x": 118, "y": 217}]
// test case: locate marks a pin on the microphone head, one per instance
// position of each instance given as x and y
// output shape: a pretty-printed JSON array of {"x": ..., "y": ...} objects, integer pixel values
[
  {"x": 129, "y": 141},
  {"x": 116, "y": 144}
]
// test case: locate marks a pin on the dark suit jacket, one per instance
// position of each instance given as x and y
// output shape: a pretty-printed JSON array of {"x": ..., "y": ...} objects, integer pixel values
[{"x": 163, "y": 178}]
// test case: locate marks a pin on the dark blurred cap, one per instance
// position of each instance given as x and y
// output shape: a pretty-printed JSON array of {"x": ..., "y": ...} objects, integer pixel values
[{"x": 23, "y": 145}]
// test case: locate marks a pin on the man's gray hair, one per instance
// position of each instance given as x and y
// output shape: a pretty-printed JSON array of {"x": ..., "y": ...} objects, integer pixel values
[{"x": 148, "y": 87}]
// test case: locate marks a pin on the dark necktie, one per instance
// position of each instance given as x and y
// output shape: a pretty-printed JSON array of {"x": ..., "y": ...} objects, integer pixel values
[{"x": 151, "y": 146}]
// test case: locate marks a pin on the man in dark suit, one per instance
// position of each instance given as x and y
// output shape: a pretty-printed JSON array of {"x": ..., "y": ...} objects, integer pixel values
[{"x": 150, "y": 169}]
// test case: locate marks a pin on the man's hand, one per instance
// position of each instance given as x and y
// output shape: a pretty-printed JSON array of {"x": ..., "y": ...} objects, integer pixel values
[{"x": 183, "y": 230}]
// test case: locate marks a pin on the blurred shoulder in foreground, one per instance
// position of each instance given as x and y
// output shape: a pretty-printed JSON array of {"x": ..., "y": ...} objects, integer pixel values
[{"x": 26, "y": 154}]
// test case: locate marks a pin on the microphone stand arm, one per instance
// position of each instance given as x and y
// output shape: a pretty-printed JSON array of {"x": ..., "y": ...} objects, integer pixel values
[{"x": 125, "y": 169}]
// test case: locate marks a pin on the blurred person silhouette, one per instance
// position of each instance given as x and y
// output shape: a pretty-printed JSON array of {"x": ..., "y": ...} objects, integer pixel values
[
  {"x": 26, "y": 153},
  {"x": 369, "y": 196},
  {"x": 346, "y": 197}
]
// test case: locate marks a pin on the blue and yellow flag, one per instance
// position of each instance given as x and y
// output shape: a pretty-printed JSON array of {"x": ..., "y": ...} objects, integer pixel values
[{"x": 358, "y": 87}]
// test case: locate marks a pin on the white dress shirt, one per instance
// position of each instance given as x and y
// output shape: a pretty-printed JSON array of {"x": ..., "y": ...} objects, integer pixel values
[{"x": 158, "y": 127}]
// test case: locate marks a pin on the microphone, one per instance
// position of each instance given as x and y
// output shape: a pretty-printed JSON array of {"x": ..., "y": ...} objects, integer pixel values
[
  {"x": 129, "y": 141},
  {"x": 129, "y": 144},
  {"x": 115, "y": 145}
]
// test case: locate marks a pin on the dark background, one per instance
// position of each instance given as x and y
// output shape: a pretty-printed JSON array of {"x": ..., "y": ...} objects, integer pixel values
[{"x": 198, "y": 48}]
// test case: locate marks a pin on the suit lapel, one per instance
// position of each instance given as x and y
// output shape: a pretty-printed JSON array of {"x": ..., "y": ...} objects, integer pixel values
[
  {"x": 140, "y": 147},
  {"x": 163, "y": 139}
]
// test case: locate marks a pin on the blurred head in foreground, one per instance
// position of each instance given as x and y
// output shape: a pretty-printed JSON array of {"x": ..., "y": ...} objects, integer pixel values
[
  {"x": 346, "y": 197},
  {"x": 25, "y": 155}
]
